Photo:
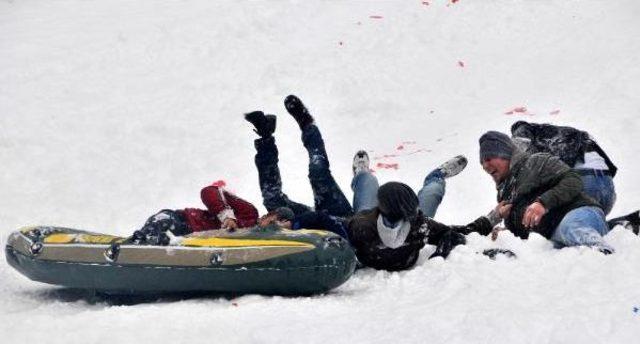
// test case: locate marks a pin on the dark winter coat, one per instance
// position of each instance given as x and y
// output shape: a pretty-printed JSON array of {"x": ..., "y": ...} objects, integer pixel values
[
  {"x": 320, "y": 220},
  {"x": 541, "y": 177},
  {"x": 371, "y": 252},
  {"x": 217, "y": 200},
  {"x": 567, "y": 143}
]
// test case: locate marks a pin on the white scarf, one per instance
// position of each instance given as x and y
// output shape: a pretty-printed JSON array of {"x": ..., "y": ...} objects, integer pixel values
[{"x": 393, "y": 237}]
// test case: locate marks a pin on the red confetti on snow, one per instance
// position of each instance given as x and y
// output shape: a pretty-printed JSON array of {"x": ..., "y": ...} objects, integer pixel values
[
  {"x": 385, "y": 156},
  {"x": 554, "y": 112},
  {"x": 400, "y": 147},
  {"x": 519, "y": 109},
  {"x": 387, "y": 166},
  {"x": 219, "y": 183},
  {"x": 375, "y": 17},
  {"x": 461, "y": 64},
  {"x": 454, "y": 1}
]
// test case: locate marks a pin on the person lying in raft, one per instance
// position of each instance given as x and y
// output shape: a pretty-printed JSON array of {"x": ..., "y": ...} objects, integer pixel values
[
  {"x": 224, "y": 211},
  {"x": 387, "y": 226}
]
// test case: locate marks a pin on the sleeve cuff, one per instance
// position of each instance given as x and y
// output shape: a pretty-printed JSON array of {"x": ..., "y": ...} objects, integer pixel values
[{"x": 227, "y": 213}]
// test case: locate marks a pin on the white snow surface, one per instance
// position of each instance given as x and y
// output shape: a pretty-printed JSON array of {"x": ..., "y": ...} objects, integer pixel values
[{"x": 113, "y": 110}]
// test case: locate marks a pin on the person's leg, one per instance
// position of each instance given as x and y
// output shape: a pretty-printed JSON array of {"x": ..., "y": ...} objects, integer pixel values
[
  {"x": 365, "y": 190},
  {"x": 583, "y": 226},
  {"x": 154, "y": 230},
  {"x": 433, "y": 188},
  {"x": 269, "y": 177},
  {"x": 326, "y": 192},
  {"x": 431, "y": 194},
  {"x": 600, "y": 187}
]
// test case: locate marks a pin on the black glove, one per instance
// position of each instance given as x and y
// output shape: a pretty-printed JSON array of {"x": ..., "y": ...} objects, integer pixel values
[{"x": 448, "y": 240}]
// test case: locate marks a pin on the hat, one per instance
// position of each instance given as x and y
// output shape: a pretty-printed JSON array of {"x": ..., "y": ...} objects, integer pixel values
[
  {"x": 397, "y": 201},
  {"x": 284, "y": 213},
  {"x": 494, "y": 144}
]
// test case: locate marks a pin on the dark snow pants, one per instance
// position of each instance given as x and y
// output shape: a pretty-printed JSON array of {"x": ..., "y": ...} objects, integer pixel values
[
  {"x": 327, "y": 195},
  {"x": 167, "y": 220}
]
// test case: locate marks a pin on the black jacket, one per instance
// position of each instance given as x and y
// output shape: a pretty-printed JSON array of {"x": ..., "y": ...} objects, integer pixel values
[
  {"x": 567, "y": 143},
  {"x": 544, "y": 178},
  {"x": 320, "y": 220},
  {"x": 364, "y": 238}
]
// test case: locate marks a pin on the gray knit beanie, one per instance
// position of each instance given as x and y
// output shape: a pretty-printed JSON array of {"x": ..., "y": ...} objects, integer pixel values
[{"x": 494, "y": 144}]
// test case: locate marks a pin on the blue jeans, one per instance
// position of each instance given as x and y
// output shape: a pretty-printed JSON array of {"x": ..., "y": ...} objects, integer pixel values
[
  {"x": 600, "y": 187},
  {"x": 327, "y": 195},
  {"x": 365, "y": 190},
  {"x": 582, "y": 226}
]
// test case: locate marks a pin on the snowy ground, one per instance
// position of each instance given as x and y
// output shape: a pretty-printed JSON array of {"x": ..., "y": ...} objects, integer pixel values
[{"x": 112, "y": 110}]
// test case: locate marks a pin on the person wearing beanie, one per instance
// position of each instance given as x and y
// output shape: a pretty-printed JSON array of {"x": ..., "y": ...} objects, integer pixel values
[
  {"x": 391, "y": 235},
  {"x": 396, "y": 246},
  {"x": 389, "y": 229},
  {"x": 540, "y": 193}
]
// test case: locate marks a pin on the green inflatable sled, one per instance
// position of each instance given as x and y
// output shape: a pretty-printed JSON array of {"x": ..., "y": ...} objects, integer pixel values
[{"x": 269, "y": 261}]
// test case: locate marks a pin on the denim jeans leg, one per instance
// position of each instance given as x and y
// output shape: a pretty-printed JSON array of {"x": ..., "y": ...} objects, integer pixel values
[
  {"x": 365, "y": 191},
  {"x": 431, "y": 194},
  {"x": 600, "y": 187},
  {"x": 269, "y": 177},
  {"x": 582, "y": 226},
  {"x": 327, "y": 194}
]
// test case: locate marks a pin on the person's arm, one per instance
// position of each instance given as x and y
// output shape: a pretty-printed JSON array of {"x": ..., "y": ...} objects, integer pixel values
[
  {"x": 216, "y": 203},
  {"x": 246, "y": 214},
  {"x": 561, "y": 183},
  {"x": 568, "y": 187}
]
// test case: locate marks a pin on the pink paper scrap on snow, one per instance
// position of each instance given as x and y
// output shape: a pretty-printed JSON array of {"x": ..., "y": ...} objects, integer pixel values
[
  {"x": 387, "y": 166},
  {"x": 517, "y": 110}
]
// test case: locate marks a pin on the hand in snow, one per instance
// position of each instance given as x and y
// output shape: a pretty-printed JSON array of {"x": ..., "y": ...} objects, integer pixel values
[
  {"x": 229, "y": 224},
  {"x": 495, "y": 232},
  {"x": 533, "y": 215}
]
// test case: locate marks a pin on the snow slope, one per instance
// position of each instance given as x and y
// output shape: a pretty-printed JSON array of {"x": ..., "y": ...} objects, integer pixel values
[{"x": 112, "y": 110}]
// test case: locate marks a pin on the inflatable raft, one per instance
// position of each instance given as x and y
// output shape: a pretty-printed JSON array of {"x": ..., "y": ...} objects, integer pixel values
[{"x": 270, "y": 261}]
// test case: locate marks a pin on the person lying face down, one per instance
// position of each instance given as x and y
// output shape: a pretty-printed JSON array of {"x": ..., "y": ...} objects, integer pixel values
[
  {"x": 391, "y": 235},
  {"x": 576, "y": 148},
  {"x": 539, "y": 193}
]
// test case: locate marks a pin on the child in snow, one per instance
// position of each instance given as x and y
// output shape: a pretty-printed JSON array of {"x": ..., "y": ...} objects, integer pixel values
[{"x": 224, "y": 210}]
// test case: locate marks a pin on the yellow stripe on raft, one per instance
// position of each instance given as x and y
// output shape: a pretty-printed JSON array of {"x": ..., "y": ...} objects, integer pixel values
[
  {"x": 65, "y": 238},
  {"x": 228, "y": 242}
]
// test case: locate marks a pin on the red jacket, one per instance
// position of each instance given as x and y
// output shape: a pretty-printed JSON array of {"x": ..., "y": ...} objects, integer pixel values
[{"x": 220, "y": 205}]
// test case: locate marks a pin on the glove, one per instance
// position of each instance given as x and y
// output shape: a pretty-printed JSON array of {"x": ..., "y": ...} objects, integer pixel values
[{"x": 447, "y": 242}]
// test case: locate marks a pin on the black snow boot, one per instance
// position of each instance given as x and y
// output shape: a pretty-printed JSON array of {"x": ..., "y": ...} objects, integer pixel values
[
  {"x": 298, "y": 111},
  {"x": 630, "y": 221},
  {"x": 264, "y": 125}
]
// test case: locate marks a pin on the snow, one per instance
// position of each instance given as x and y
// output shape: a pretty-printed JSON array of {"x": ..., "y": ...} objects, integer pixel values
[{"x": 113, "y": 110}]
